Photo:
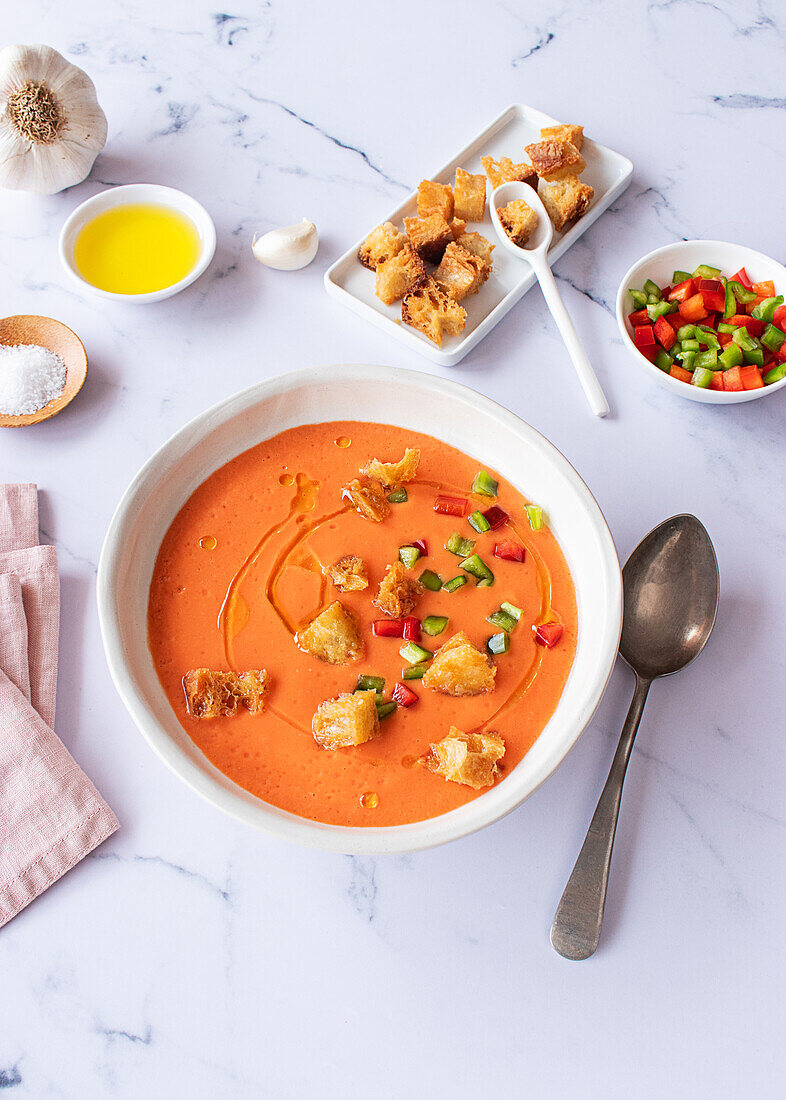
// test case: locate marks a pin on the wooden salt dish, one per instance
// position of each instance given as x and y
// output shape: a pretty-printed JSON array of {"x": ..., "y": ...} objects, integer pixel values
[{"x": 56, "y": 337}]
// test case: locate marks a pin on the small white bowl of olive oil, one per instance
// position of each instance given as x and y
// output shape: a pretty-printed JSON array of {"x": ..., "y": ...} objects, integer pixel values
[{"x": 140, "y": 242}]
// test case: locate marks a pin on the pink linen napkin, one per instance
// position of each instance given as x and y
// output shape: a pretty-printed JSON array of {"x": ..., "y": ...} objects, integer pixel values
[{"x": 51, "y": 815}]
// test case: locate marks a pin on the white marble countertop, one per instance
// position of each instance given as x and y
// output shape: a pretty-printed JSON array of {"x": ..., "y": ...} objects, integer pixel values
[{"x": 192, "y": 957}]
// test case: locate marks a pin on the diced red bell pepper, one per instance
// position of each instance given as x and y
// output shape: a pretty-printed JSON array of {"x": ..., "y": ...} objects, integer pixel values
[
  {"x": 692, "y": 309},
  {"x": 548, "y": 634},
  {"x": 754, "y": 326},
  {"x": 725, "y": 338},
  {"x": 510, "y": 550},
  {"x": 644, "y": 339},
  {"x": 712, "y": 294},
  {"x": 639, "y": 317},
  {"x": 780, "y": 356},
  {"x": 664, "y": 333},
  {"x": 495, "y": 516},
  {"x": 411, "y": 629},
  {"x": 751, "y": 377},
  {"x": 404, "y": 696},
  {"x": 711, "y": 320},
  {"x": 765, "y": 289},
  {"x": 450, "y": 506},
  {"x": 683, "y": 291},
  {"x": 422, "y": 547},
  {"x": 780, "y": 318},
  {"x": 717, "y": 381},
  {"x": 732, "y": 380},
  {"x": 388, "y": 628},
  {"x": 665, "y": 292},
  {"x": 680, "y": 374},
  {"x": 742, "y": 277}
]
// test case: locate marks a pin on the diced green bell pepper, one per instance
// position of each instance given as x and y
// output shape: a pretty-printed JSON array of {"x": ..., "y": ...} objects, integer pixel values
[
  {"x": 431, "y": 580},
  {"x": 639, "y": 298},
  {"x": 777, "y": 374},
  {"x": 690, "y": 345},
  {"x": 535, "y": 516},
  {"x": 702, "y": 377},
  {"x": 743, "y": 339},
  {"x": 478, "y": 522},
  {"x": 731, "y": 356},
  {"x": 703, "y": 271},
  {"x": 706, "y": 360},
  {"x": 660, "y": 309},
  {"x": 398, "y": 496},
  {"x": 765, "y": 311},
  {"x": 773, "y": 338},
  {"x": 755, "y": 356},
  {"x": 730, "y": 305},
  {"x": 707, "y": 336},
  {"x": 680, "y": 277},
  {"x": 663, "y": 360},
  {"x": 652, "y": 288},
  {"x": 741, "y": 293},
  {"x": 686, "y": 332},
  {"x": 687, "y": 359},
  {"x": 484, "y": 484}
]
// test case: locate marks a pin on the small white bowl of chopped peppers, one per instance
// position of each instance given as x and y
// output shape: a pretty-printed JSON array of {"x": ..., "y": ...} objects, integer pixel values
[{"x": 707, "y": 320}]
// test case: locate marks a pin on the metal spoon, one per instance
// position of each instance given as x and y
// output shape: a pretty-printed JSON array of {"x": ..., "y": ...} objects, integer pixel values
[
  {"x": 671, "y": 587},
  {"x": 535, "y": 253}
]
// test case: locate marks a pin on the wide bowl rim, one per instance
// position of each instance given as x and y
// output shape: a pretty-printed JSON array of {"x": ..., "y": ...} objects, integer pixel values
[
  {"x": 396, "y": 839},
  {"x": 119, "y": 195},
  {"x": 709, "y": 397}
]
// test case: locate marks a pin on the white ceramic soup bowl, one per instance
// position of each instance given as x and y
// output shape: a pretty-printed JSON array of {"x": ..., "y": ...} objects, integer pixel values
[
  {"x": 126, "y": 195},
  {"x": 386, "y": 395},
  {"x": 659, "y": 266}
]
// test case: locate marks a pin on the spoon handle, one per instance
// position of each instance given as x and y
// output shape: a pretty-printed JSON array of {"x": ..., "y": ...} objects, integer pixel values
[
  {"x": 577, "y": 922},
  {"x": 582, "y": 365}
]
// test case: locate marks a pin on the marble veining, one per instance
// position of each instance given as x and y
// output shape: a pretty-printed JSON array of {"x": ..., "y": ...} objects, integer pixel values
[{"x": 191, "y": 957}]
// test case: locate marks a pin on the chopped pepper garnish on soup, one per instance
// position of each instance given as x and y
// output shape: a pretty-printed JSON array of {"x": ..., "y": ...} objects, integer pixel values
[{"x": 377, "y": 616}]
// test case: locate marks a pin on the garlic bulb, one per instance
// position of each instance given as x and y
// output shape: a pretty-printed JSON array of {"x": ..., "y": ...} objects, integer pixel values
[
  {"x": 287, "y": 249},
  {"x": 51, "y": 127}
]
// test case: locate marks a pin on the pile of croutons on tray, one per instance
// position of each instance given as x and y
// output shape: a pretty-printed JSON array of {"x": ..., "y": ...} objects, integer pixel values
[{"x": 430, "y": 296}]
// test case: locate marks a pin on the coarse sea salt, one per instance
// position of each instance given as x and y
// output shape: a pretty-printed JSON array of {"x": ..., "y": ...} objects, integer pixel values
[{"x": 30, "y": 377}]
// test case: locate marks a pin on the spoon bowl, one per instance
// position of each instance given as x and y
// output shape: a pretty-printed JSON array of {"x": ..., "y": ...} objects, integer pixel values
[
  {"x": 671, "y": 598},
  {"x": 543, "y": 234}
]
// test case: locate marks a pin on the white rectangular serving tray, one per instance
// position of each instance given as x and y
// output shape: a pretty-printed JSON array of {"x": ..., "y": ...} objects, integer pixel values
[{"x": 351, "y": 283}]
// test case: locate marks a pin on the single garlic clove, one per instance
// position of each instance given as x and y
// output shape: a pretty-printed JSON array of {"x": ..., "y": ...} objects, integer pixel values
[{"x": 287, "y": 249}]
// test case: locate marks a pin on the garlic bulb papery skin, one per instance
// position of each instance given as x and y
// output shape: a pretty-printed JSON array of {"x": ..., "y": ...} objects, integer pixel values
[
  {"x": 287, "y": 249},
  {"x": 51, "y": 126}
]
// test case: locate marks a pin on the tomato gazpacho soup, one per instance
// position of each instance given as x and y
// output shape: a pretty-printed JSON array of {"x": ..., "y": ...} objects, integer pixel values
[{"x": 357, "y": 624}]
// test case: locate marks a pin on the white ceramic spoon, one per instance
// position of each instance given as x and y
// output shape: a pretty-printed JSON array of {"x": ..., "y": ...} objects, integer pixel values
[{"x": 536, "y": 255}]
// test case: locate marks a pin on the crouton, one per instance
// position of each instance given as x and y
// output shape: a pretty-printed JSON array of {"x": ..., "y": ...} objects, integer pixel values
[
  {"x": 505, "y": 171},
  {"x": 518, "y": 221},
  {"x": 333, "y": 636},
  {"x": 461, "y": 273},
  {"x": 468, "y": 758},
  {"x": 210, "y": 694},
  {"x": 568, "y": 132},
  {"x": 381, "y": 243},
  {"x": 457, "y": 227},
  {"x": 349, "y": 574},
  {"x": 432, "y": 311},
  {"x": 429, "y": 236},
  {"x": 566, "y": 200},
  {"x": 477, "y": 244},
  {"x": 394, "y": 474},
  {"x": 435, "y": 198},
  {"x": 369, "y": 499},
  {"x": 398, "y": 591},
  {"x": 469, "y": 196},
  {"x": 346, "y": 721},
  {"x": 459, "y": 668},
  {"x": 399, "y": 274},
  {"x": 554, "y": 160}
]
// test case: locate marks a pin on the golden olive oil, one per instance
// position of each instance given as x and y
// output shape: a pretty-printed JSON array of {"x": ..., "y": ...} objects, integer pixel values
[{"x": 136, "y": 249}]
